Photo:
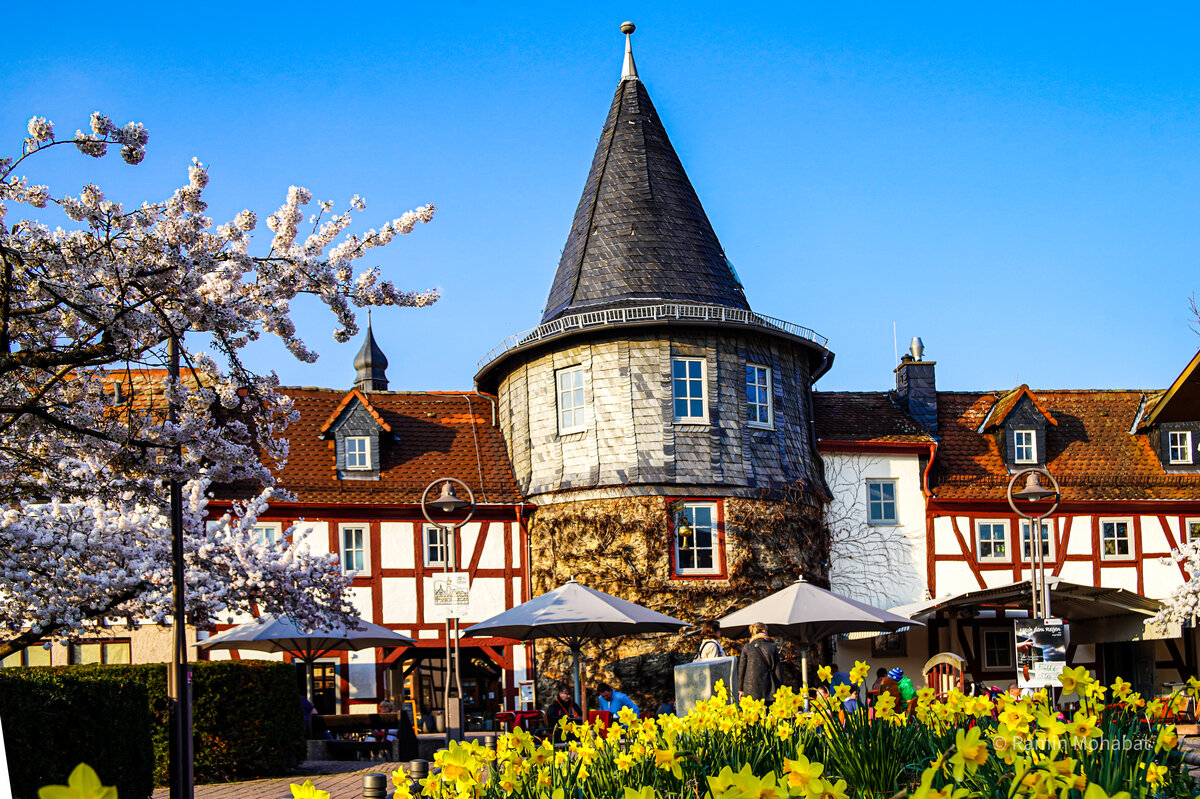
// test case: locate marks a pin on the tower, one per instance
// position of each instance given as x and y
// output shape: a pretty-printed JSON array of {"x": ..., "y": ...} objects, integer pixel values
[
  {"x": 370, "y": 364},
  {"x": 661, "y": 426}
]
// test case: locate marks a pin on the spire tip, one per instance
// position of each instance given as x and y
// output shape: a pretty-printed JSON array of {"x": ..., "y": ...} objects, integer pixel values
[
  {"x": 629, "y": 69},
  {"x": 628, "y": 28}
]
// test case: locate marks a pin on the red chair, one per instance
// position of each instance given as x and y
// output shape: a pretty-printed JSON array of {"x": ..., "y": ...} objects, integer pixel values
[
  {"x": 530, "y": 720},
  {"x": 506, "y": 720},
  {"x": 603, "y": 716}
]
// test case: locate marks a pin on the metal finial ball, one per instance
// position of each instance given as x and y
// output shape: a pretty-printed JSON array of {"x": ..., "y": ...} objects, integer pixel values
[{"x": 628, "y": 27}]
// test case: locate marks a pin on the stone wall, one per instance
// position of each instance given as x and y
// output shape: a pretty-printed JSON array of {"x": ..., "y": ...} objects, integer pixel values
[{"x": 623, "y": 546}]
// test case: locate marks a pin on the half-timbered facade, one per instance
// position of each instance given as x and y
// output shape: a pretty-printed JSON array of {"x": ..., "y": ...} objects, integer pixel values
[
  {"x": 1130, "y": 495},
  {"x": 359, "y": 462}
]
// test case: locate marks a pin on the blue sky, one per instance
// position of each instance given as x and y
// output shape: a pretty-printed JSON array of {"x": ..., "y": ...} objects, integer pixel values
[{"x": 1018, "y": 185}]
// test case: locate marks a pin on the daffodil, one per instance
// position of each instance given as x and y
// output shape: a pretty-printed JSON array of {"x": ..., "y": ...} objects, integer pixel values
[
  {"x": 1094, "y": 791},
  {"x": 667, "y": 760},
  {"x": 836, "y": 790},
  {"x": 305, "y": 791},
  {"x": 1072, "y": 679},
  {"x": 83, "y": 783},
  {"x": 970, "y": 753},
  {"x": 645, "y": 792},
  {"x": 1120, "y": 688},
  {"x": 859, "y": 672},
  {"x": 624, "y": 761},
  {"x": 1084, "y": 726},
  {"x": 1167, "y": 740},
  {"x": 803, "y": 776},
  {"x": 825, "y": 673},
  {"x": 1156, "y": 774}
]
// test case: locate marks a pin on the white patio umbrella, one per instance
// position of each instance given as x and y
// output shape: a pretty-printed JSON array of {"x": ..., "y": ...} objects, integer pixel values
[
  {"x": 571, "y": 613},
  {"x": 808, "y": 613},
  {"x": 271, "y": 633}
]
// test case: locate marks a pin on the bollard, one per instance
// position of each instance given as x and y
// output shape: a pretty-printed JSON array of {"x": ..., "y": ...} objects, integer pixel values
[
  {"x": 418, "y": 769},
  {"x": 374, "y": 786},
  {"x": 490, "y": 742}
]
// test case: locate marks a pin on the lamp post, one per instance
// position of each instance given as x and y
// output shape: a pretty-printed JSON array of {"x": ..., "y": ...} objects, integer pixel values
[
  {"x": 447, "y": 502},
  {"x": 1034, "y": 491},
  {"x": 179, "y": 683}
]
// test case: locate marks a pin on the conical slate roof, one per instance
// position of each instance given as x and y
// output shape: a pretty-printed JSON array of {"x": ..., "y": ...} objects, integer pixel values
[{"x": 640, "y": 234}]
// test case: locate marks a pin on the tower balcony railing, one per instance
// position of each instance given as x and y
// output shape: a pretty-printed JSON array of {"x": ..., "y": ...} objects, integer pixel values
[{"x": 665, "y": 312}]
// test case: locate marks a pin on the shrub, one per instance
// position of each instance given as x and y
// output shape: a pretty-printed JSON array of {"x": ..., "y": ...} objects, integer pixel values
[
  {"x": 246, "y": 719},
  {"x": 56, "y": 718}
]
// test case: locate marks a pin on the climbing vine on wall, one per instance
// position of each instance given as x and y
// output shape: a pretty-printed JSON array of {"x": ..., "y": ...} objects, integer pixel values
[{"x": 623, "y": 546}]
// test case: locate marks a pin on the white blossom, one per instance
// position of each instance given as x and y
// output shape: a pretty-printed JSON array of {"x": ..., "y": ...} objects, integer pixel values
[{"x": 83, "y": 530}]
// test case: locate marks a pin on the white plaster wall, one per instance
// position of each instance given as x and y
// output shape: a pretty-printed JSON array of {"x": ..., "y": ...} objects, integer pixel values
[
  {"x": 1077, "y": 572},
  {"x": 1161, "y": 579},
  {"x": 360, "y": 598},
  {"x": 881, "y": 565},
  {"x": 313, "y": 535},
  {"x": 396, "y": 545},
  {"x": 944, "y": 540},
  {"x": 956, "y": 578},
  {"x": 1153, "y": 537},
  {"x": 1081, "y": 536},
  {"x": 399, "y": 600},
  {"x": 1123, "y": 577}
]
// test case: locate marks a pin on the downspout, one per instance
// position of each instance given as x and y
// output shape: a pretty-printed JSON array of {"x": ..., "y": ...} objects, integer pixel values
[{"x": 490, "y": 399}]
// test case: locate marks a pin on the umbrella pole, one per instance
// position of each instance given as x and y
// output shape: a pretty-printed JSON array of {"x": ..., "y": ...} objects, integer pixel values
[
  {"x": 575, "y": 654},
  {"x": 312, "y": 682},
  {"x": 804, "y": 673}
]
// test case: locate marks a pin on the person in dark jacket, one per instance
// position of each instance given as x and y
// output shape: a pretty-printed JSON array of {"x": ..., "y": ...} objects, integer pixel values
[
  {"x": 562, "y": 707},
  {"x": 759, "y": 672}
]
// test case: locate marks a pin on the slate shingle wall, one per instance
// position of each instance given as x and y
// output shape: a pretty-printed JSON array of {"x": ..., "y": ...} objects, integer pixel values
[{"x": 632, "y": 439}]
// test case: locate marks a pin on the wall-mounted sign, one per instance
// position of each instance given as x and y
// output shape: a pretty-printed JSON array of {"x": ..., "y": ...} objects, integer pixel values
[
  {"x": 451, "y": 596},
  {"x": 1041, "y": 652}
]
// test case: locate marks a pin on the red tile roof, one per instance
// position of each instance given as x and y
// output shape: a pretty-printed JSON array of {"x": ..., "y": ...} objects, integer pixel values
[
  {"x": 864, "y": 417},
  {"x": 437, "y": 434},
  {"x": 1091, "y": 451},
  {"x": 366, "y": 403}
]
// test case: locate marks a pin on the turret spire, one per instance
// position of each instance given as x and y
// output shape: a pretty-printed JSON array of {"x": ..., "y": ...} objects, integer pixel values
[
  {"x": 371, "y": 364},
  {"x": 629, "y": 71}
]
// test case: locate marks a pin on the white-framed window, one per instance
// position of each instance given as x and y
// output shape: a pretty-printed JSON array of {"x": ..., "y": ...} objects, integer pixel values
[
  {"x": 434, "y": 545},
  {"x": 358, "y": 452},
  {"x": 1191, "y": 530},
  {"x": 1179, "y": 446},
  {"x": 1047, "y": 541},
  {"x": 268, "y": 533},
  {"x": 992, "y": 540},
  {"x": 997, "y": 649},
  {"x": 758, "y": 396},
  {"x": 688, "y": 390},
  {"x": 881, "y": 502},
  {"x": 696, "y": 545},
  {"x": 572, "y": 415},
  {"x": 1116, "y": 539},
  {"x": 1024, "y": 446},
  {"x": 354, "y": 548}
]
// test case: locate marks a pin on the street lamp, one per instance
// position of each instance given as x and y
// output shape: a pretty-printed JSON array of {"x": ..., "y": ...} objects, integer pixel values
[
  {"x": 448, "y": 502},
  {"x": 1035, "y": 491}
]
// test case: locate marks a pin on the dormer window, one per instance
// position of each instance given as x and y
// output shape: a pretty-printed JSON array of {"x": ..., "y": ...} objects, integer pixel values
[
  {"x": 1025, "y": 446},
  {"x": 358, "y": 452},
  {"x": 1179, "y": 447}
]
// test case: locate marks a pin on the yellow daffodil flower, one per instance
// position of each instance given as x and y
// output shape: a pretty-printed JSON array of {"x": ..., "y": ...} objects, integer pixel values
[
  {"x": 803, "y": 776},
  {"x": 970, "y": 753},
  {"x": 859, "y": 672},
  {"x": 1084, "y": 726},
  {"x": 825, "y": 673},
  {"x": 1073, "y": 679},
  {"x": 83, "y": 783},
  {"x": 836, "y": 790},
  {"x": 305, "y": 791},
  {"x": 645, "y": 792},
  {"x": 1167, "y": 740}
]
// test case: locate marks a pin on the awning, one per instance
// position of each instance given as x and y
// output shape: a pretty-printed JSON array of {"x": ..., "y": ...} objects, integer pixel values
[{"x": 1070, "y": 601}]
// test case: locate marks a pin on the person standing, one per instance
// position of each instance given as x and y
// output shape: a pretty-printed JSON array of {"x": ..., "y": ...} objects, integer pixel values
[
  {"x": 759, "y": 672},
  {"x": 613, "y": 701},
  {"x": 710, "y": 647}
]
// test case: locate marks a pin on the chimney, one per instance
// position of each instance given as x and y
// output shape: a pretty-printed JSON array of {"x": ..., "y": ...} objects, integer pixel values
[{"x": 916, "y": 388}]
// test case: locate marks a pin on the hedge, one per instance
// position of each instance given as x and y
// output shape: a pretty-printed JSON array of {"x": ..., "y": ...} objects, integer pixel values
[
  {"x": 246, "y": 718},
  {"x": 54, "y": 719}
]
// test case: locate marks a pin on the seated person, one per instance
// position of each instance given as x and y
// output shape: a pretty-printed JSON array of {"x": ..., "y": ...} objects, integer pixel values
[
  {"x": 613, "y": 701},
  {"x": 562, "y": 707}
]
